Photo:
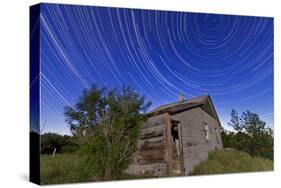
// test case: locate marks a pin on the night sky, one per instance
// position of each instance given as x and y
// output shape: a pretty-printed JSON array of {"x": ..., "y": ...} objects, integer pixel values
[{"x": 160, "y": 53}]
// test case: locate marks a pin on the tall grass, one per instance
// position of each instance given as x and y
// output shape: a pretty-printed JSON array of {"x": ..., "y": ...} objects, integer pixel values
[
  {"x": 62, "y": 168},
  {"x": 232, "y": 162},
  {"x": 67, "y": 168}
]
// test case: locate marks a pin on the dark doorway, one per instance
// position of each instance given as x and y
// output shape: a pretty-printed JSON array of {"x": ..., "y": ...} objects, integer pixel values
[{"x": 177, "y": 161}]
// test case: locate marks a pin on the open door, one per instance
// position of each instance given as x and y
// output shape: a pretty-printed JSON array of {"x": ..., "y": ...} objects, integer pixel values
[{"x": 177, "y": 152}]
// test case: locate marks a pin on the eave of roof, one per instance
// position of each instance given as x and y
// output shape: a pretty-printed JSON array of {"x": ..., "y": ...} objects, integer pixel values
[{"x": 178, "y": 107}]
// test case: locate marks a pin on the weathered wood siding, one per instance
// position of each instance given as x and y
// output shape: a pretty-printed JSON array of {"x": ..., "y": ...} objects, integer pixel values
[
  {"x": 195, "y": 146},
  {"x": 154, "y": 154},
  {"x": 151, "y": 156}
]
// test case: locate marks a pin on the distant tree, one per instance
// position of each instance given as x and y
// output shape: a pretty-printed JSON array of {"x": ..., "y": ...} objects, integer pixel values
[
  {"x": 253, "y": 124},
  {"x": 62, "y": 143},
  {"x": 252, "y": 135},
  {"x": 261, "y": 135},
  {"x": 235, "y": 121},
  {"x": 227, "y": 138},
  {"x": 106, "y": 125}
]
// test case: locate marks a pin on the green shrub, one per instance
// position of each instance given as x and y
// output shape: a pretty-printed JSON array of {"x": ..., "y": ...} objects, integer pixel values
[
  {"x": 106, "y": 125},
  {"x": 251, "y": 135}
]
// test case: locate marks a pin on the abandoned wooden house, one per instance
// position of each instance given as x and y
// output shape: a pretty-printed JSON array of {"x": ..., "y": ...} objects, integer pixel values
[{"x": 177, "y": 137}]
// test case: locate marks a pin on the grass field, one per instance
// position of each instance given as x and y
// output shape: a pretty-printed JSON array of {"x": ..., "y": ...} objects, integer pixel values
[
  {"x": 222, "y": 162},
  {"x": 62, "y": 168},
  {"x": 66, "y": 168}
]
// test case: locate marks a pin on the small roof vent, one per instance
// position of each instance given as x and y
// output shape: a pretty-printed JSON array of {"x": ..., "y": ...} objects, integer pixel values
[{"x": 181, "y": 97}]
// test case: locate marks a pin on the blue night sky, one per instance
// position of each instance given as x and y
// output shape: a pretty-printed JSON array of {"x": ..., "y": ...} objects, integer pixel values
[{"x": 160, "y": 53}]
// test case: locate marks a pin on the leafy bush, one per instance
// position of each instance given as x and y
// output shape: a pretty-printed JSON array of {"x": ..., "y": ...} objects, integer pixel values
[
  {"x": 252, "y": 135},
  {"x": 106, "y": 126}
]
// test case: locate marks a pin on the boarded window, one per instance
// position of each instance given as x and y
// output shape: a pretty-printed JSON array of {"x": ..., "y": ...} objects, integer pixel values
[
  {"x": 217, "y": 135},
  {"x": 207, "y": 133}
]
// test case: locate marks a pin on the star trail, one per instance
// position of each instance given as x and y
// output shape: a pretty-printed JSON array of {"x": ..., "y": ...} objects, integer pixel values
[{"x": 160, "y": 53}]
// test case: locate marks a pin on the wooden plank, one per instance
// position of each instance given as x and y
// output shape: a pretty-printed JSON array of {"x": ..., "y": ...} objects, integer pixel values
[
  {"x": 154, "y": 121},
  {"x": 154, "y": 151},
  {"x": 154, "y": 139},
  {"x": 168, "y": 139},
  {"x": 152, "y": 155},
  {"x": 152, "y": 145},
  {"x": 151, "y": 159},
  {"x": 181, "y": 149},
  {"x": 152, "y": 134}
]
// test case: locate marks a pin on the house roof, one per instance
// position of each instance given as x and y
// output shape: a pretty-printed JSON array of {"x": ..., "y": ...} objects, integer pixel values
[
  {"x": 196, "y": 101},
  {"x": 204, "y": 102}
]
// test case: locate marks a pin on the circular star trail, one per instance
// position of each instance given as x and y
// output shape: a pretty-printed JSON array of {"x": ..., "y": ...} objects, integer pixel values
[{"x": 160, "y": 53}]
